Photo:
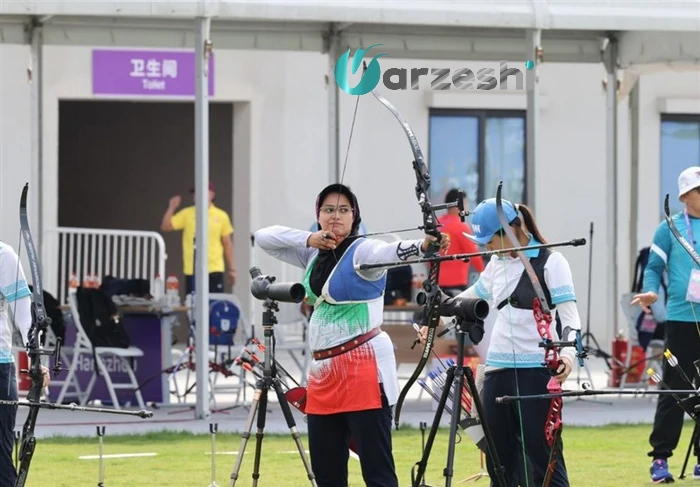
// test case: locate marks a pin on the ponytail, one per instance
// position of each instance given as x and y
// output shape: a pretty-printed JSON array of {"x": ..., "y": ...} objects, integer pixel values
[{"x": 529, "y": 221}]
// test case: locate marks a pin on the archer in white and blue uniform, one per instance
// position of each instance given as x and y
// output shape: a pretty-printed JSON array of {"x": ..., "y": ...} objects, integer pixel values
[{"x": 514, "y": 362}]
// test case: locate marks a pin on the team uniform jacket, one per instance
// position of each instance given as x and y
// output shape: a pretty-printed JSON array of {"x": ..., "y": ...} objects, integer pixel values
[{"x": 351, "y": 304}]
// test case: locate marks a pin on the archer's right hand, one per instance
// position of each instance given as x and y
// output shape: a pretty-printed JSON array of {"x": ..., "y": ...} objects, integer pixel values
[
  {"x": 322, "y": 240},
  {"x": 423, "y": 334},
  {"x": 645, "y": 300}
]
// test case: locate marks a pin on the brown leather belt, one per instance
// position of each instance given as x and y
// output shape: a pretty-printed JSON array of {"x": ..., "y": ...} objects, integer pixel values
[{"x": 347, "y": 346}]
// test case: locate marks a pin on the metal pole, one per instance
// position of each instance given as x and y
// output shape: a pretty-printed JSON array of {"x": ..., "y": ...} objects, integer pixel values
[
  {"x": 201, "y": 177},
  {"x": 610, "y": 59},
  {"x": 534, "y": 53},
  {"x": 333, "y": 108},
  {"x": 36, "y": 95},
  {"x": 634, "y": 177}
]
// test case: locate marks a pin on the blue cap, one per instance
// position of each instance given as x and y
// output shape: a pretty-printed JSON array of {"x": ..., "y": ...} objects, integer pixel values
[{"x": 485, "y": 222}]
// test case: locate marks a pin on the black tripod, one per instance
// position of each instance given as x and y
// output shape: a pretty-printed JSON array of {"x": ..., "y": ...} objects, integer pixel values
[
  {"x": 588, "y": 335},
  {"x": 262, "y": 386},
  {"x": 455, "y": 378},
  {"x": 693, "y": 439},
  {"x": 696, "y": 418}
]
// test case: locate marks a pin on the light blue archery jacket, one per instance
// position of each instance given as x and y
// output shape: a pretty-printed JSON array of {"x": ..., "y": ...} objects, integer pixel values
[{"x": 668, "y": 254}]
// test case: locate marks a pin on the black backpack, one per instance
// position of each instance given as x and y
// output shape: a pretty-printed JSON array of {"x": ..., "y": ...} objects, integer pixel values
[
  {"x": 100, "y": 319},
  {"x": 644, "y": 337}
]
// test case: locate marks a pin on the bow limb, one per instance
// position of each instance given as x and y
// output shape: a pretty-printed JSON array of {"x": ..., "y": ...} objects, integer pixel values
[
  {"x": 431, "y": 290},
  {"x": 674, "y": 230},
  {"x": 543, "y": 319}
]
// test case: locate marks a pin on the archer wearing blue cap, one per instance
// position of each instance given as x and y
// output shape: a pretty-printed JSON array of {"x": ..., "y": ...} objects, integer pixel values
[{"x": 514, "y": 361}]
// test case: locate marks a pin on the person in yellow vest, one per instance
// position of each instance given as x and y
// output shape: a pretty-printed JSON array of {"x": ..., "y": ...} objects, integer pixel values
[{"x": 220, "y": 252}]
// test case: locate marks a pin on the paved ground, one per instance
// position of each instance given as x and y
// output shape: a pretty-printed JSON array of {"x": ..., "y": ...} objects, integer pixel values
[{"x": 180, "y": 417}]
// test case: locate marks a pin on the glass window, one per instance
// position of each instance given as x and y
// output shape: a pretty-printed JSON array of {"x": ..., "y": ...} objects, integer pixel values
[
  {"x": 474, "y": 150},
  {"x": 680, "y": 148},
  {"x": 454, "y": 156}
]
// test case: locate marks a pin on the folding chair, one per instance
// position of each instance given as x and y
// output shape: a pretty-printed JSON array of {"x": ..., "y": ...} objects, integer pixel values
[
  {"x": 291, "y": 336},
  {"x": 225, "y": 320},
  {"x": 84, "y": 346}
]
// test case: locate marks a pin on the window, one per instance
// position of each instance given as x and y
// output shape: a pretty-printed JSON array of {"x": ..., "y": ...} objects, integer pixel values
[
  {"x": 474, "y": 150},
  {"x": 680, "y": 148}
]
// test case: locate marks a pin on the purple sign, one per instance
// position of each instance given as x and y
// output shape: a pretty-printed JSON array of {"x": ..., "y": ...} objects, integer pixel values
[{"x": 118, "y": 72}]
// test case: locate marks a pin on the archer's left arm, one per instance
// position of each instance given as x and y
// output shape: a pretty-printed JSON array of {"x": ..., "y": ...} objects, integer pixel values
[
  {"x": 561, "y": 288},
  {"x": 372, "y": 251}
]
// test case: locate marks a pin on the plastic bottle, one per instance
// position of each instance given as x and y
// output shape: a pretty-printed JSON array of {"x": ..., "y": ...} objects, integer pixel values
[
  {"x": 172, "y": 285},
  {"x": 73, "y": 283},
  {"x": 158, "y": 288}
]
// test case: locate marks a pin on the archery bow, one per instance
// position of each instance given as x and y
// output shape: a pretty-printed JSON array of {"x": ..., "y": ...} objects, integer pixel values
[
  {"x": 40, "y": 323},
  {"x": 543, "y": 319},
  {"x": 430, "y": 297}
]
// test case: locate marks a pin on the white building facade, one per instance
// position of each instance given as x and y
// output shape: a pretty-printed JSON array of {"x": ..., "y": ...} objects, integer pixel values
[{"x": 280, "y": 149}]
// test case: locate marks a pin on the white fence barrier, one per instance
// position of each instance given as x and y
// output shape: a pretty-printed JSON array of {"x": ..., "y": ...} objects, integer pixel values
[{"x": 128, "y": 254}]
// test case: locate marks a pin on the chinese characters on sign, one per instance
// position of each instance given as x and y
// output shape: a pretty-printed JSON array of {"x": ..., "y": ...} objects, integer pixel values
[{"x": 128, "y": 72}]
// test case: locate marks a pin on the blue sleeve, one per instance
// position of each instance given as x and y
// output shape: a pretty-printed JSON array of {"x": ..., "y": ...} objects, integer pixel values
[
  {"x": 13, "y": 284},
  {"x": 658, "y": 259}
]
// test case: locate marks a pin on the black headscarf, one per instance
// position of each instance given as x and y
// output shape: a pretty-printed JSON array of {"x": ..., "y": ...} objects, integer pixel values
[{"x": 327, "y": 259}]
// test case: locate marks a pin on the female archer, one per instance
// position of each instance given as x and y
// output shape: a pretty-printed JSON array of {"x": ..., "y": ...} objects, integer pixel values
[
  {"x": 352, "y": 382},
  {"x": 514, "y": 362}
]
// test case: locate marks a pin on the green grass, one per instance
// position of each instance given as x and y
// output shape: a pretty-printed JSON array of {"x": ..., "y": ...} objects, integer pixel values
[{"x": 613, "y": 456}]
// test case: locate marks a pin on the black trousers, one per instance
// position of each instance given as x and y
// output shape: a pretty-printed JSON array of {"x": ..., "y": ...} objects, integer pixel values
[
  {"x": 216, "y": 283},
  {"x": 683, "y": 340},
  {"x": 523, "y": 454},
  {"x": 329, "y": 438},
  {"x": 8, "y": 415}
]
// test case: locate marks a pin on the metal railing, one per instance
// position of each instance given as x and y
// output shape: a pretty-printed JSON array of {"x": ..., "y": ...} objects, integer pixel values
[{"x": 98, "y": 252}]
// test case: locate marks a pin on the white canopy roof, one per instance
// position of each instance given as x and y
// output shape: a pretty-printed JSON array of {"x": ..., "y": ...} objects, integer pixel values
[
  {"x": 618, "y": 15},
  {"x": 572, "y": 31}
]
